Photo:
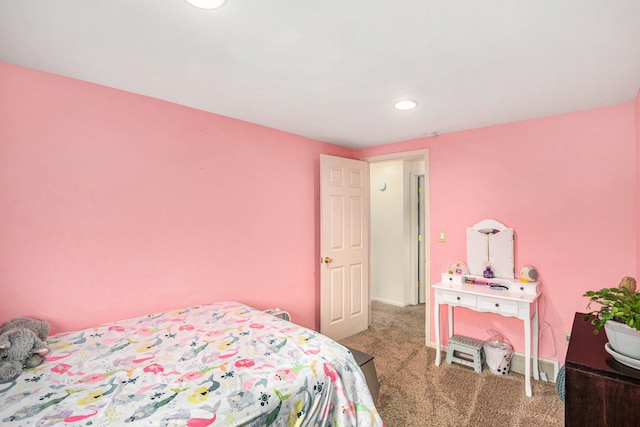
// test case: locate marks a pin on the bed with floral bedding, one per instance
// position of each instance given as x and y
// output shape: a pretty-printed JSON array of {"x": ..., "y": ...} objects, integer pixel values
[{"x": 221, "y": 364}]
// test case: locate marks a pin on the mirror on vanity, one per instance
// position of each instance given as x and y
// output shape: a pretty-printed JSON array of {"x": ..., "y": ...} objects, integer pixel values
[{"x": 490, "y": 244}]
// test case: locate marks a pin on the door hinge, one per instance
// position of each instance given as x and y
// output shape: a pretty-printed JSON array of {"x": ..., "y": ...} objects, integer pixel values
[
  {"x": 419, "y": 190},
  {"x": 419, "y": 237},
  {"x": 419, "y": 284}
]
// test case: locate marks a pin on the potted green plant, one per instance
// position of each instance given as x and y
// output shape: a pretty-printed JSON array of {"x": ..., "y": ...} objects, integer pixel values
[{"x": 619, "y": 314}]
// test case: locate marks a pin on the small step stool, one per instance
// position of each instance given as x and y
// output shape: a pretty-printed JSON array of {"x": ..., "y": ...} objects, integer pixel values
[{"x": 466, "y": 351}]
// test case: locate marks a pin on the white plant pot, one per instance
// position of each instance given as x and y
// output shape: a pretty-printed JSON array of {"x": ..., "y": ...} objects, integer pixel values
[{"x": 623, "y": 339}]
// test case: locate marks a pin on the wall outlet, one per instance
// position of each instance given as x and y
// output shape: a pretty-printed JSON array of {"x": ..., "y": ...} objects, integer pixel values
[{"x": 567, "y": 337}]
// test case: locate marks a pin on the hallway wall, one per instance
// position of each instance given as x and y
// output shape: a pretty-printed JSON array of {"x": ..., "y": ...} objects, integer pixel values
[{"x": 392, "y": 264}]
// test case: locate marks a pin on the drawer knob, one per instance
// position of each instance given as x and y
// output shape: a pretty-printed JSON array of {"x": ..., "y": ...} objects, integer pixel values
[
  {"x": 522, "y": 288},
  {"x": 497, "y": 305},
  {"x": 458, "y": 298}
]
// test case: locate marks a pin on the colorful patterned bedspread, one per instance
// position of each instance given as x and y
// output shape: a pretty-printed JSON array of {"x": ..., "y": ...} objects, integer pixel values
[{"x": 223, "y": 364}]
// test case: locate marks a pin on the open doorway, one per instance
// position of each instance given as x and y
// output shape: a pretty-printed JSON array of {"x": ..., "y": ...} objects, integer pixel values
[{"x": 399, "y": 230}]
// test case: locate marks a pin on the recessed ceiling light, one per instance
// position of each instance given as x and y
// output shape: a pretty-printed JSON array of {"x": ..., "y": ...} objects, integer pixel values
[
  {"x": 207, "y": 4},
  {"x": 408, "y": 104}
]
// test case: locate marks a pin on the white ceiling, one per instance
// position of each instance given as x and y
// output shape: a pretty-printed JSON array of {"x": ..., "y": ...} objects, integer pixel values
[{"x": 331, "y": 69}]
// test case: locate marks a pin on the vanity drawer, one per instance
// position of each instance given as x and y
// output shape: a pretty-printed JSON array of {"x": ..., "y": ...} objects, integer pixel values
[
  {"x": 454, "y": 279},
  {"x": 530, "y": 288},
  {"x": 498, "y": 305},
  {"x": 455, "y": 298}
]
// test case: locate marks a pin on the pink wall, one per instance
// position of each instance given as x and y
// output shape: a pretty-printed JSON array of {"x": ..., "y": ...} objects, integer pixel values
[
  {"x": 638, "y": 185},
  {"x": 114, "y": 205},
  {"x": 566, "y": 184}
]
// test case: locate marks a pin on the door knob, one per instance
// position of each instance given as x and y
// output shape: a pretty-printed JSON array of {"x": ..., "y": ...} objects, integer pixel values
[{"x": 327, "y": 260}]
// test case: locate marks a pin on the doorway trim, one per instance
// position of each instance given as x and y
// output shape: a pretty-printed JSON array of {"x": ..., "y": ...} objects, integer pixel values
[
  {"x": 418, "y": 243},
  {"x": 414, "y": 155}
]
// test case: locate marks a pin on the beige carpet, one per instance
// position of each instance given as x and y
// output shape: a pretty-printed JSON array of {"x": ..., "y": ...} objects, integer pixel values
[{"x": 415, "y": 392}]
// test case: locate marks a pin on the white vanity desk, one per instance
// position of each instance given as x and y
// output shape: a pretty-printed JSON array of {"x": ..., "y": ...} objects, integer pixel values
[{"x": 521, "y": 301}]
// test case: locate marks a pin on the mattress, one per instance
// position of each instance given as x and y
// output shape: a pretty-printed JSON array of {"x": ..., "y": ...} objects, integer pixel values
[{"x": 221, "y": 364}]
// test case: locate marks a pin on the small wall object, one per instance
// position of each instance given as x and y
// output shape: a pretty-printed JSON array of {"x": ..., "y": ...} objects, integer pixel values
[
  {"x": 528, "y": 273},
  {"x": 629, "y": 283},
  {"x": 279, "y": 313}
]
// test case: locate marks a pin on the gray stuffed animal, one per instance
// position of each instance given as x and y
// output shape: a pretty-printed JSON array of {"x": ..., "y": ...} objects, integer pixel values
[{"x": 21, "y": 346}]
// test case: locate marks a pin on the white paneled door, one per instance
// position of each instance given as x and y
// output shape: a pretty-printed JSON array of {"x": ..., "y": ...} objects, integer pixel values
[{"x": 344, "y": 246}]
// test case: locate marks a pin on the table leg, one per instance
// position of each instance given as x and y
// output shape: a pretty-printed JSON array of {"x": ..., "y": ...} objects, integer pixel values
[
  {"x": 436, "y": 318},
  {"x": 536, "y": 372},
  {"x": 450, "y": 316},
  {"x": 527, "y": 355}
]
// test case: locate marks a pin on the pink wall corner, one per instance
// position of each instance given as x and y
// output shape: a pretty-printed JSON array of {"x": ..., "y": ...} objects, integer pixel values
[
  {"x": 637, "y": 108},
  {"x": 114, "y": 205},
  {"x": 566, "y": 184}
]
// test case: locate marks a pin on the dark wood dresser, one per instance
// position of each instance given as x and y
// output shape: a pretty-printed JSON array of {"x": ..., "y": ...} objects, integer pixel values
[{"x": 599, "y": 391}]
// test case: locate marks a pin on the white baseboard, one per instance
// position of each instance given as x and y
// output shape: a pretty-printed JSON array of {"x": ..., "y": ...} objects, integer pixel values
[
  {"x": 384, "y": 301},
  {"x": 549, "y": 366}
]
